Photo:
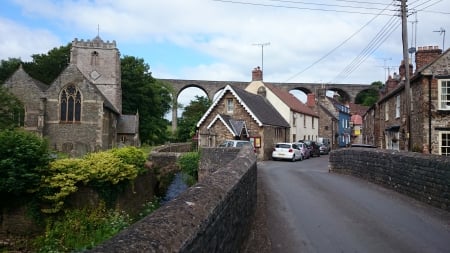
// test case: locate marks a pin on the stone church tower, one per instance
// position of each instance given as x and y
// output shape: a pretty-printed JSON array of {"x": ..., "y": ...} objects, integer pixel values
[
  {"x": 81, "y": 110},
  {"x": 100, "y": 62}
]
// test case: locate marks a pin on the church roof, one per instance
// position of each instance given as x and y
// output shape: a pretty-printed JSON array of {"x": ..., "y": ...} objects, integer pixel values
[{"x": 127, "y": 124}]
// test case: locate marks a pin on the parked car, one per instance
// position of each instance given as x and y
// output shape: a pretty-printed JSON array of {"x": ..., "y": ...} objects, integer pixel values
[
  {"x": 304, "y": 149},
  {"x": 324, "y": 149},
  {"x": 287, "y": 151},
  {"x": 234, "y": 144},
  {"x": 313, "y": 147}
]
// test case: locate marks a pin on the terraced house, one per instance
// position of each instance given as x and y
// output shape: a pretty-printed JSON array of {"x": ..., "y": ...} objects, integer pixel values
[{"x": 386, "y": 122}]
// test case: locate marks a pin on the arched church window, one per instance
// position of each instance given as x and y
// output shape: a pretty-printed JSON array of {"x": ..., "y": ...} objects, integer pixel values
[
  {"x": 94, "y": 58},
  {"x": 70, "y": 101}
]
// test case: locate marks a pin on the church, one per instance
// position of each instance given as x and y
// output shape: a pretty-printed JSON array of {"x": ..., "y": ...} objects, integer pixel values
[{"x": 81, "y": 110}]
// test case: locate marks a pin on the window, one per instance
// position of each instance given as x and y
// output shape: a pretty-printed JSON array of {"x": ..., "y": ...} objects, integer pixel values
[
  {"x": 397, "y": 107},
  {"x": 230, "y": 105},
  {"x": 444, "y": 143},
  {"x": 294, "y": 117},
  {"x": 94, "y": 58},
  {"x": 312, "y": 120},
  {"x": 304, "y": 121},
  {"x": 444, "y": 94},
  {"x": 70, "y": 102},
  {"x": 386, "y": 111}
]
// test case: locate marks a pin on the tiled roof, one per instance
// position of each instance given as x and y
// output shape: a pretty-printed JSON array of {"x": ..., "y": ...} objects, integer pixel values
[
  {"x": 234, "y": 126},
  {"x": 291, "y": 101},
  {"x": 358, "y": 109},
  {"x": 127, "y": 124}
]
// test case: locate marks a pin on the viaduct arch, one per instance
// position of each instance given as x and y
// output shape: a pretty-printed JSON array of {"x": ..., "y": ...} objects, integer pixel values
[{"x": 347, "y": 91}]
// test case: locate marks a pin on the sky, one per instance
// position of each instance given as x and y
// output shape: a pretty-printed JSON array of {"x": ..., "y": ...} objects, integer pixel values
[{"x": 318, "y": 41}]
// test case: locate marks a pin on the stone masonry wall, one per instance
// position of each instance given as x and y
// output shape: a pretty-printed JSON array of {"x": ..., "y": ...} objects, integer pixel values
[
  {"x": 212, "y": 216},
  {"x": 421, "y": 176}
]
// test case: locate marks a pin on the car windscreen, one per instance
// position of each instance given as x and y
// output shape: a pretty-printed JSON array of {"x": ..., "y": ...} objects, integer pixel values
[{"x": 241, "y": 144}]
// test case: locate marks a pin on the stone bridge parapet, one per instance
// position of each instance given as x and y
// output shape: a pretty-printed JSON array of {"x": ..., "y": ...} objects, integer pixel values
[
  {"x": 423, "y": 177},
  {"x": 214, "y": 215}
]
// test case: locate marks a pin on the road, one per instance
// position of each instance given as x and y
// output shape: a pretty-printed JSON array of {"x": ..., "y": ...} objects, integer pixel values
[{"x": 312, "y": 210}]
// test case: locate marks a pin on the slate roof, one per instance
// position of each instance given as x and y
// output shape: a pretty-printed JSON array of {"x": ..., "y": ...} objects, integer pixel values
[
  {"x": 234, "y": 126},
  {"x": 257, "y": 106},
  {"x": 127, "y": 124},
  {"x": 291, "y": 101}
]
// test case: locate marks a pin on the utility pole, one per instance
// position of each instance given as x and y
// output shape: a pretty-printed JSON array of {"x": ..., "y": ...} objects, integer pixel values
[
  {"x": 406, "y": 62},
  {"x": 262, "y": 52}
]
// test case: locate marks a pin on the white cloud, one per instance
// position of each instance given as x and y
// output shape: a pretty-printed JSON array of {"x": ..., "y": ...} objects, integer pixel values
[{"x": 19, "y": 41}]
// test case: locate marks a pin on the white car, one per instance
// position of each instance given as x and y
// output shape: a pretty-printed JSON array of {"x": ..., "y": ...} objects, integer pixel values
[
  {"x": 287, "y": 151},
  {"x": 234, "y": 144}
]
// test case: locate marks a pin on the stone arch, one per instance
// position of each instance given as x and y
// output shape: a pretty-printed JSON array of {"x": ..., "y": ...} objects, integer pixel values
[
  {"x": 346, "y": 97},
  {"x": 364, "y": 90}
]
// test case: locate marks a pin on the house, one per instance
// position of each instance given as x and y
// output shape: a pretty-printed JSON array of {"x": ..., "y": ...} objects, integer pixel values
[
  {"x": 304, "y": 122},
  {"x": 81, "y": 110},
  {"x": 429, "y": 115},
  {"x": 356, "y": 122},
  {"x": 240, "y": 115},
  {"x": 334, "y": 119}
]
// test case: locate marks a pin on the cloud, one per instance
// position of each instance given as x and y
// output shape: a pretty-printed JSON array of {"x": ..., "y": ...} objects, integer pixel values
[{"x": 18, "y": 41}]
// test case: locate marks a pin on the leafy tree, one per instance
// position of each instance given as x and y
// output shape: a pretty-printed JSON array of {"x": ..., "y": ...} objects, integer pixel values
[
  {"x": 46, "y": 67},
  {"x": 370, "y": 96},
  {"x": 23, "y": 156},
  {"x": 8, "y": 67},
  {"x": 11, "y": 110},
  {"x": 191, "y": 115},
  {"x": 146, "y": 95}
]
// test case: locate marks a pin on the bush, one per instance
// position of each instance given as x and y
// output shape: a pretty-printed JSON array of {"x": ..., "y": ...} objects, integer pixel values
[
  {"x": 23, "y": 158},
  {"x": 188, "y": 163},
  {"x": 78, "y": 230},
  {"x": 106, "y": 171}
]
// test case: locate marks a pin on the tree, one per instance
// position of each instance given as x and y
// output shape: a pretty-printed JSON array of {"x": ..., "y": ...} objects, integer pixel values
[
  {"x": 46, "y": 67},
  {"x": 11, "y": 110},
  {"x": 23, "y": 155},
  {"x": 8, "y": 67},
  {"x": 146, "y": 95},
  {"x": 191, "y": 115},
  {"x": 370, "y": 96}
]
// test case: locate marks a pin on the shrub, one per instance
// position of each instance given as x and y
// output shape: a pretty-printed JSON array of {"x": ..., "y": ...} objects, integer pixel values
[
  {"x": 23, "y": 157},
  {"x": 131, "y": 155},
  {"x": 78, "y": 230},
  {"x": 188, "y": 163}
]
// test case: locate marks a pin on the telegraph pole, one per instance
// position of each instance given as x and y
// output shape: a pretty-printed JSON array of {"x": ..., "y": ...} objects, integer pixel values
[
  {"x": 262, "y": 53},
  {"x": 406, "y": 62}
]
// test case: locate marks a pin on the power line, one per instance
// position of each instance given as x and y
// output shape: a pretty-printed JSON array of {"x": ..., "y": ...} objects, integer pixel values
[
  {"x": 337, "y": 47},
  {"x": 301, "y": 8}
]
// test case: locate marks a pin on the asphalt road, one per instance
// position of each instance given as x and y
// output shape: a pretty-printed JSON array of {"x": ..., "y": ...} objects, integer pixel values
[{"x": 312, "y": 210}]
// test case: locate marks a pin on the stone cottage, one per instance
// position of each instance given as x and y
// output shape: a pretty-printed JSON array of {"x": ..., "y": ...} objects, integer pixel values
[
  {"x": 240, "y": 115},
  {"x": 81, "y": 110},
  {"x": 429, "y": 111},
  {"x": 304, "y": 122}
]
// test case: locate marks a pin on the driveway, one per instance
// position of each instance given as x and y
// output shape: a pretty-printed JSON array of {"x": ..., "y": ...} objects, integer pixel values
[{"x": 304, "y": 208}]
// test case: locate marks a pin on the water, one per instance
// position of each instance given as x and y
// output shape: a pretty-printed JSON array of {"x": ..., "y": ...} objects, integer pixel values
[{"x": 175, "y": 188}]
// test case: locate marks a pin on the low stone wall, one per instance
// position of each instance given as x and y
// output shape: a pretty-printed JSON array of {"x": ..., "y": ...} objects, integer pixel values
[
  {"x": 422, "y": 176},
  {"x": 214, "y": 215},
  {"x": 212, "y": 158}
]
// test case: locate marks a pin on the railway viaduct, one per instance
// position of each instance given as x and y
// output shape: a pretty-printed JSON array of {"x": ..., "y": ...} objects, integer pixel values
[{"x": 347, "y": 91}]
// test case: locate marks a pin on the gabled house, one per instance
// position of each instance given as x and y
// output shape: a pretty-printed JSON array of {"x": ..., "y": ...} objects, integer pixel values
[
  {"x": 240, "y": 115},
  {"x": 429, "y": 110},
  {"x": 304, "y": 122}
]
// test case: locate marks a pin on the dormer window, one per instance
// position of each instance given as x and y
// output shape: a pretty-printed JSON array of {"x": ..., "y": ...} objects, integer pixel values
[{"x": 230, "y": 105}]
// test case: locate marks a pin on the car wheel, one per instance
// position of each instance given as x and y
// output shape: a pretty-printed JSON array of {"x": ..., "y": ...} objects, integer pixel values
[{"x": 293, "y": 158}]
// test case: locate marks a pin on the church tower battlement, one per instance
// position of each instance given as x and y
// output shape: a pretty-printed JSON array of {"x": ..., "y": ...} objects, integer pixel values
[{"x": 99, "y": 61}]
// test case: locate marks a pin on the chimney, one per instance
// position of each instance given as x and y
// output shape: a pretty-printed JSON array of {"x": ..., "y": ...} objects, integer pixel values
[
  {"x": 425, "y": 55},
  {"x": 391, "y": 84},
  {"x": 257, "y": 74},
  {"x": 401, "y": 70},
  {"x": 311, "y": 100}
]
